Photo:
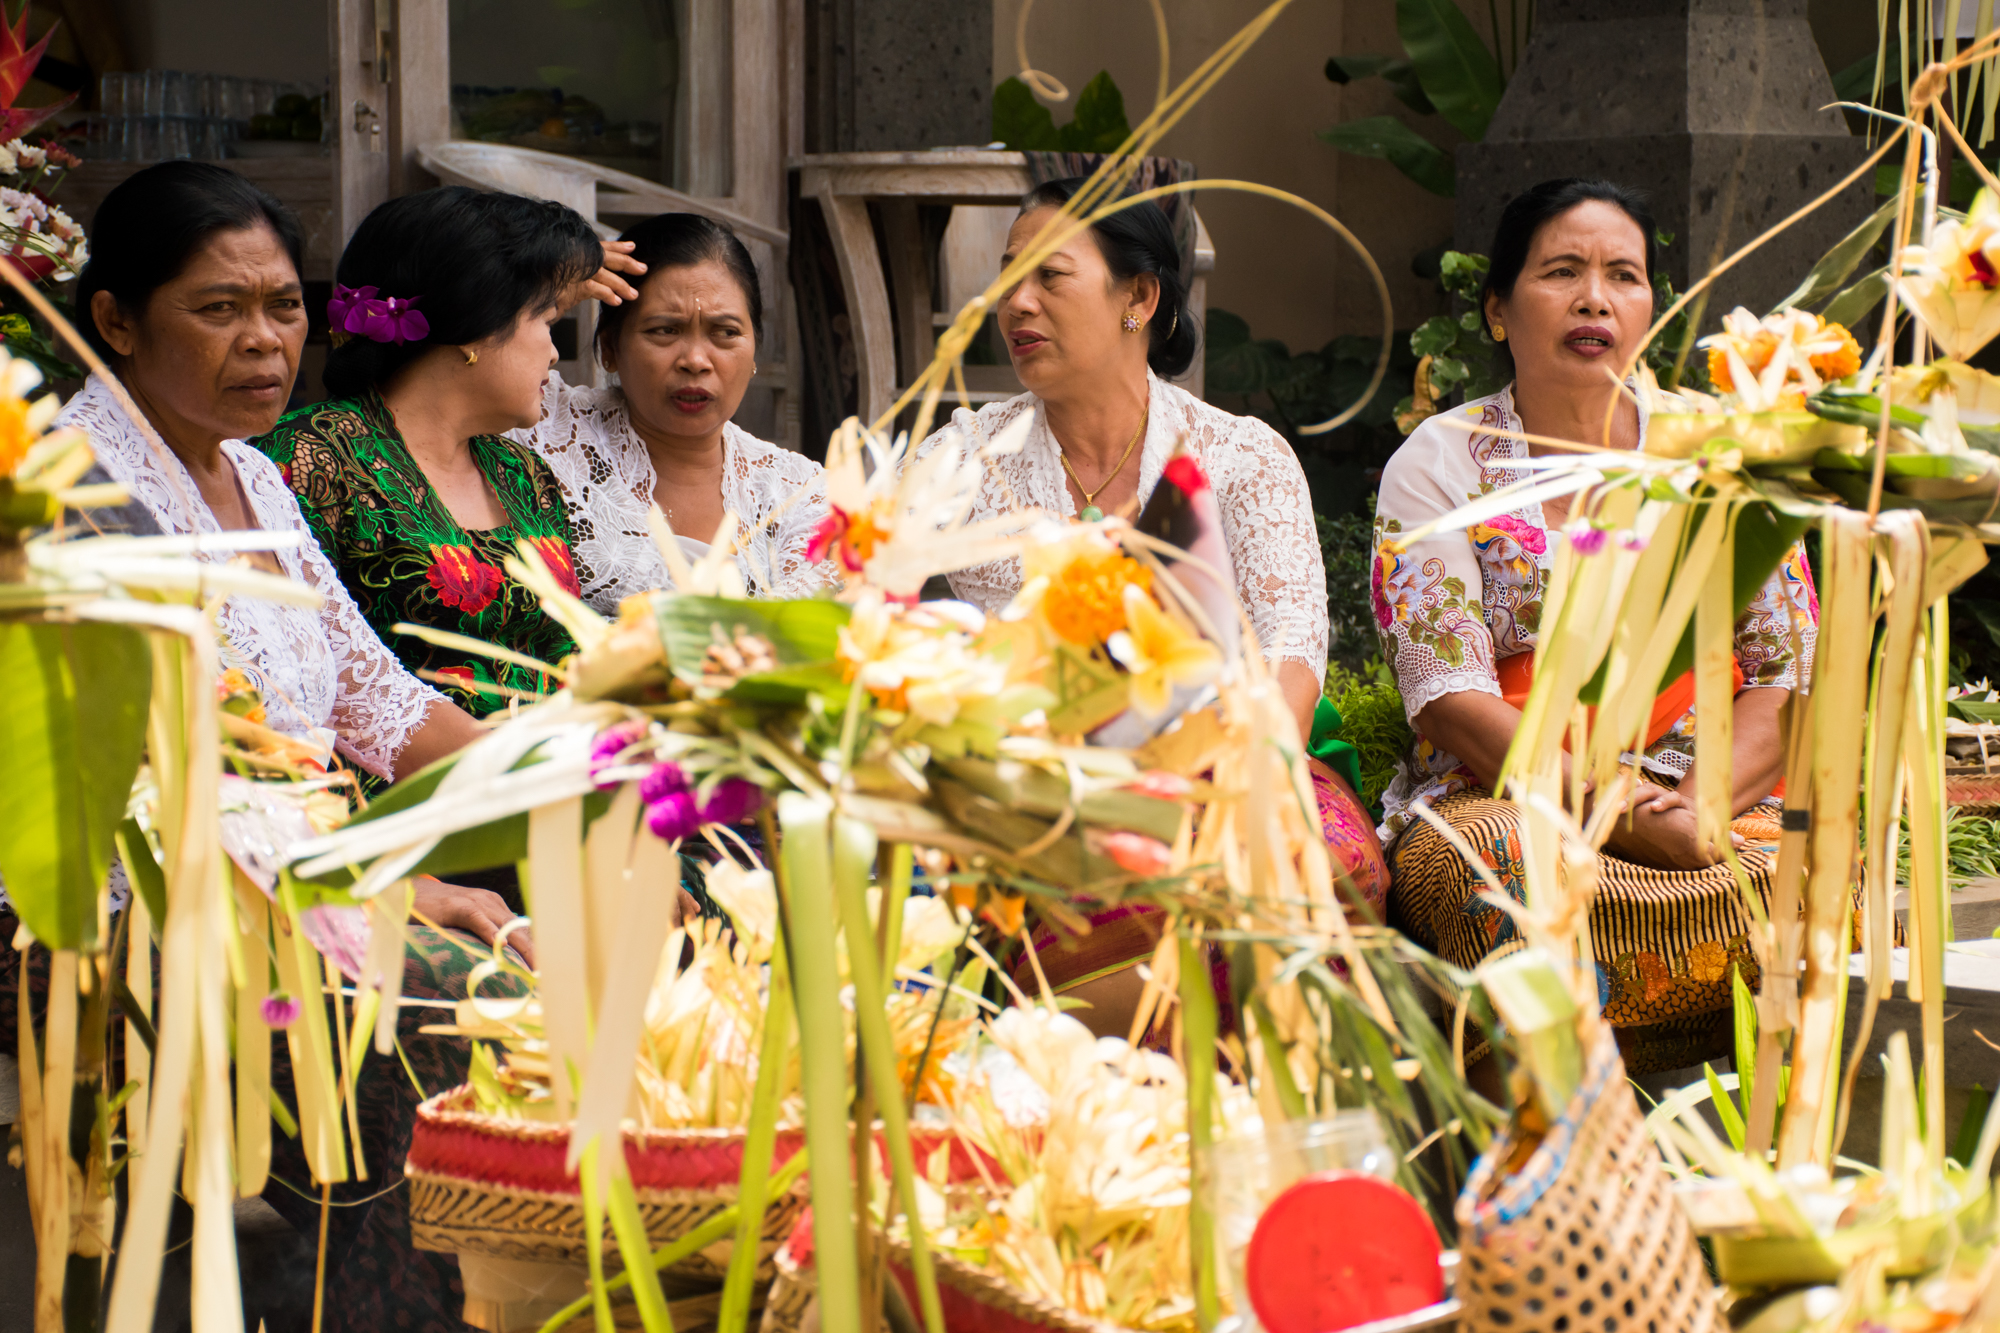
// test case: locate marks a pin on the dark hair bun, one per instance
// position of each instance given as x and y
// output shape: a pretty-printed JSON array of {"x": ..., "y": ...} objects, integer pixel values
[
  {"x": 475, "y": 262},
  {"x": 1139, "y": 239},
  {"x": 677, "y": 240},
  {"x": 149, "y": 228}
]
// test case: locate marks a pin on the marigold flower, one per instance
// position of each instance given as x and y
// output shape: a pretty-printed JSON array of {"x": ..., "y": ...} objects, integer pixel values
[
  {"x": 1778, "y": 361},
  {"x": 1085, "y": 601}
]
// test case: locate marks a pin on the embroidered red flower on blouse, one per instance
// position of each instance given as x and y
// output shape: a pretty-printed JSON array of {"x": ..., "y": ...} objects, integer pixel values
[
  {"x": 555, "y": 553},
  {"x": 1184, "y": 471},
  {"x": 462, "y": 579},
  {"x": 459, "y": 676}
]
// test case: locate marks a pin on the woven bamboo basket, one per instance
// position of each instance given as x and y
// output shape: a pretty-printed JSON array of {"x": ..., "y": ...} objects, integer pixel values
[
  {"x": 483, "y": 1185},
  {"x": 1587, "y": 1235}
]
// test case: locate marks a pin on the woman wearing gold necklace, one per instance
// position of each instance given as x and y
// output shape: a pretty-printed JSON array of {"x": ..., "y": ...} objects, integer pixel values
[{"x": 1095, "y": 332}]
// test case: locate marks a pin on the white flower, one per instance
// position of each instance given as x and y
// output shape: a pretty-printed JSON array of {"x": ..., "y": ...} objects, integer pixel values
[{"x": 30, "y": 156}]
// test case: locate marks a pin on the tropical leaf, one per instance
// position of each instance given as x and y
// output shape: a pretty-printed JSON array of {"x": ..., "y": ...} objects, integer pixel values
[
  {"x": 1837, "y": 264},
  {"x": 801, "y": 633},
  {"x": 1458, "y": 73},
  {"x": 1388, "y": 138},
  {"x": 1853, "y": 305},
  {"x": 1100, "y": 124},
  {"x": 1396, "y": 71},
  {"x": 72, "y": 725},
  {"x": 1021, "y": 122}
]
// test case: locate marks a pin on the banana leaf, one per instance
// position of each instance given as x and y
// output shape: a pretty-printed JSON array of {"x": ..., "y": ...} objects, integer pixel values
[
  {"x": 72, "y": 725},
  {"x": 1458, "y": 73},
  {"x": 1838, "y": 263},
  {"x": 1390, "y": 139},
  {"x": 1066, "y": 862},
  {"x": 1763, "y": 535},
  {"x": 501, "y": 842},
  {"x": 1040, "y": 792},
  {"x": 801, "y": 634}
]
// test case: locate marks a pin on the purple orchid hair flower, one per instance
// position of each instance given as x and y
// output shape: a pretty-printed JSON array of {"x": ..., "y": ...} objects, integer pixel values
[
  {"x": 666, "y": 779},
  {"x": 383, "y": 319},
  {"x": 732, "y": 801},
  {"x": 673, "y": 817}
]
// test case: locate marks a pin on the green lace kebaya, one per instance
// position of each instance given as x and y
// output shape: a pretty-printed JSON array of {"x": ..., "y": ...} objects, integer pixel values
[{"x": 405, "y": 559}]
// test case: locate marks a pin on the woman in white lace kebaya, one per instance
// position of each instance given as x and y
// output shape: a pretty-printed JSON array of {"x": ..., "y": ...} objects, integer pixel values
[
  {"x": 1094, "y": 332},
  {"x": 1569, "y": 293},
  {"x": 684, "y": 347},
  {"x": 193, "y": 297}
]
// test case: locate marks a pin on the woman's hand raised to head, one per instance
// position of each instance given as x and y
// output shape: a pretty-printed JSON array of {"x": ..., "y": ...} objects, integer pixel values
[{"x": 606, "y": 285}]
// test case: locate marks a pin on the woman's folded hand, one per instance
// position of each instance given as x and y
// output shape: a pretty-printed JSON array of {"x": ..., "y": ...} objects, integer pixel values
[{"x": 1658, "y": 830}]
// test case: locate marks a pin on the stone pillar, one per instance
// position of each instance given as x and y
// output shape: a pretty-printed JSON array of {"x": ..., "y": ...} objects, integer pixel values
[
  {"x": 1711, "y": 106},
  {"x": 896, "y": 75}
]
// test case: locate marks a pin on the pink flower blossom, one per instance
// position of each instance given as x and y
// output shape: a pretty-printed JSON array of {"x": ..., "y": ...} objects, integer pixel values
[
  {"x": 279, "y": 1009},
  {"x": 666, "y": 779},
  {"x": 1586, "y": 538},
  {"x": 1161, "y": 785},
  {"x": 1631, "y": 540},
  {"x": 732, "y": 801},
  {"x": 673, "y": 817}
]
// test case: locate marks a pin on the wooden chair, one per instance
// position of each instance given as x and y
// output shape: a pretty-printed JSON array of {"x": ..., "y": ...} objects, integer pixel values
[
  {"x": 892, "y": 348},
  {"x": 598, "y": 192}
]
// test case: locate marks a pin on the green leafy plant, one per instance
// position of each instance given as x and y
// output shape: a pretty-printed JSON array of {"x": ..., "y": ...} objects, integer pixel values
[
  {"x": 1372, "y": 721},
  {"x": 1972, "y": 845},
  {"x": 1446, "y": 70},
  {"x": 1025, "y": 125},
  {"x": 1347, "y": 544}
]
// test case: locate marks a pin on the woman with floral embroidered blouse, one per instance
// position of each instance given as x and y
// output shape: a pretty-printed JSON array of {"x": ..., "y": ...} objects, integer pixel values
[
  {"x": 1569, "y": 294},
  {"x": 442, "y": 319}
]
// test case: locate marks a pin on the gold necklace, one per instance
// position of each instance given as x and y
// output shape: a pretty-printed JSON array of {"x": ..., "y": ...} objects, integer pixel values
[{"x": 1091, "y": 513}]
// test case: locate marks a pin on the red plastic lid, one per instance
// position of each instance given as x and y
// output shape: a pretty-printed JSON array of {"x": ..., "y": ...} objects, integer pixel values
[{"x": 1338, "y": 1249}]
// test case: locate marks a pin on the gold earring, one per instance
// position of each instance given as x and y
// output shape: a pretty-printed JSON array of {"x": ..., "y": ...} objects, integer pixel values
[
  {"x": 1131, "y": 322},
  {"x": 471, "y": 357},
  {"x": 1499, "y": 333}
]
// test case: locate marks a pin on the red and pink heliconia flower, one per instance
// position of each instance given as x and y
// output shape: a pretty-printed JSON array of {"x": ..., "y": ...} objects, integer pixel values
[
  {"x": 462, "y": 579},
  {"x": 383, "y": 319}
]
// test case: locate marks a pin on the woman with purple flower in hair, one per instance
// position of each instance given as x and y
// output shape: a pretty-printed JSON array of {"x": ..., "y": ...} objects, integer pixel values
[{"x": 441, "y": 326}]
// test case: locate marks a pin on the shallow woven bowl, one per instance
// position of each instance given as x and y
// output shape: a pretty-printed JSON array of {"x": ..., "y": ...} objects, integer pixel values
[{"x": 483, "y": 1185}]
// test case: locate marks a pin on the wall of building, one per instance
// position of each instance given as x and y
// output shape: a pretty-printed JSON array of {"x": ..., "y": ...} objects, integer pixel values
[{"x": 1280, "y": 269}]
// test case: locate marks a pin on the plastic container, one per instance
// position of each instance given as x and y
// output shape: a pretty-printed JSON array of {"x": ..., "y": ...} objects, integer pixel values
[{"x": 1239, "y": 1177}]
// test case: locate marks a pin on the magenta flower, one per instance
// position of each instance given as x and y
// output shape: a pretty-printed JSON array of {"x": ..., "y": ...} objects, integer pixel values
[
  {"x": 733, "y": 801},
  {"x": 673, "y": 817},
  {"x": 667, "y": 779},
  {"x": 279, "y": 1010},
  {"x": 1631, "y": 540},
  {"x": 611, "y": 743},
  {"x": 346, "y": 300},
  {"x": 384, "y": 319},
  {"x": 1586, "y": 538}
]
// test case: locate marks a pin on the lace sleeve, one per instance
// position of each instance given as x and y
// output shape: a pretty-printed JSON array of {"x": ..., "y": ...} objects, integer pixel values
[
  {"x": 792, "y": 573},
  {"x": 1267, "y": 519},
  {"x": 1428, "y": 596},
  {"x": 377, "y": 704},
  {"x": 1785, "y": 605}
]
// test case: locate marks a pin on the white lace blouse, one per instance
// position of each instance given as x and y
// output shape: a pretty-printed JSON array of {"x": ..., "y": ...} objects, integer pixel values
[
  {"x": 607, "y": 478},
  {"x": 1452, "y": 606},
  {"x": 1267, "y": 514},
  {"x": 318, "y": 670}
]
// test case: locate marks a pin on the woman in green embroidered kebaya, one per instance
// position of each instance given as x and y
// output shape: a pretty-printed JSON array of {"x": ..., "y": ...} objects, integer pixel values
[{"x": 441, "y": 317}]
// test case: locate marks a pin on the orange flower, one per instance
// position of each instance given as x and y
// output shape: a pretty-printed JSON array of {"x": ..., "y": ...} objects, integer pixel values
[
  {"x": 1841, "y": 362},
  {"x": 15, "y": 433},
  {"x": 1756, "y": 355},
  {"x": 1085, "y": 601}
]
